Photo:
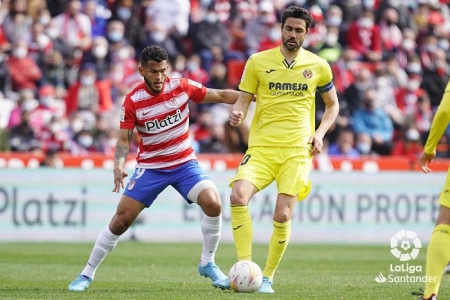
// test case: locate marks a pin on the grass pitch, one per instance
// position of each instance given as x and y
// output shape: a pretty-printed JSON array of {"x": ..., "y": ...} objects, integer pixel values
[{"x": 137, "y": 270}]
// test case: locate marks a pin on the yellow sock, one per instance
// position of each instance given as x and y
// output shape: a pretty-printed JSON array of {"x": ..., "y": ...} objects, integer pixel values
[
  {"x": 438, "y": 255},
  {"x": 242, "y": 226},
  {"x": 278, "y": 244}
]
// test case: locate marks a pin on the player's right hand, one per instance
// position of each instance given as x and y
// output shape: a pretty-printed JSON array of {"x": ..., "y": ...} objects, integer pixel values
[
  {"x": 236, "y": 118},
  {"x": 425, "y": 159},
  {"x": 119, "y": 176}
]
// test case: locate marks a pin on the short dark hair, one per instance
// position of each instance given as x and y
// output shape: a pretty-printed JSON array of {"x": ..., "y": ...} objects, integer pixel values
[
  {"x": 154, "y": 53},
  {"x": 297, "y": 12}
]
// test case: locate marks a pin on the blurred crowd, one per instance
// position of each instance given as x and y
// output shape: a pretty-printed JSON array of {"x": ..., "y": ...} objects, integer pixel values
[{"x": 66, "y": 66}]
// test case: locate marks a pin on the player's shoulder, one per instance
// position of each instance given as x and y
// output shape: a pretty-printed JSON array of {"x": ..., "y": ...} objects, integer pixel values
[
  {"x": 262, "y": 55},
  {"x": 312, "y": 57}
]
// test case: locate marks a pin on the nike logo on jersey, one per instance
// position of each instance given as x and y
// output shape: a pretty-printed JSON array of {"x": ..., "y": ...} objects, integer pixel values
[
  {"x": 270, "y": 71},
  {"x": 281, "y": 242},
  {"x": 236, "y": 228},
  {"x": 154, "y": 125},
  {"x": 146, "y": 113}
]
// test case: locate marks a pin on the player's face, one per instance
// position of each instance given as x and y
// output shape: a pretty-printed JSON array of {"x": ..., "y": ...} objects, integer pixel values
[
  {"x": 293, "y": 33},
  {"x": 154, "y": 74}
]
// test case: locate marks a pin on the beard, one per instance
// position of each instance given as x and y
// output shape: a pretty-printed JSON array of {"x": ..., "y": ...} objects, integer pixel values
[
  {"x": 291, "y": 48},
  {"x": 150, "y": 87}
]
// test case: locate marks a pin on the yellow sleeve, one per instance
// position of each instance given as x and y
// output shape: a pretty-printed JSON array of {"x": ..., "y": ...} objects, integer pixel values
[
  {"x": 440, "y": 122},
  {"x": 249, "y": 80},
  {"x": 326, "y": 75}
]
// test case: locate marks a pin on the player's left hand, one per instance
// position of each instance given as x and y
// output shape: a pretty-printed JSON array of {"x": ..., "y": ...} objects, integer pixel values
[
  {"x": 426, "y": 159},
  {"x": 119, "y": 176},
  {"x": 316, "y": 145}
]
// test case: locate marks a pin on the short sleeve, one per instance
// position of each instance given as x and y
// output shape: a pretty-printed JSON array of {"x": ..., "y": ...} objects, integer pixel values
[
  {"x": 249, "y": 80},
  {"x": 127, "y": 114},
  {"x": 325, "y": 83},
  {"x": 195, "y": 90}
]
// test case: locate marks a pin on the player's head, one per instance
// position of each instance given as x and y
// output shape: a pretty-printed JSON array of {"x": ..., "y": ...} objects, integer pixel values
[
  {"x": 153, "y": 67},
  {"x": 295, "y": 24}
]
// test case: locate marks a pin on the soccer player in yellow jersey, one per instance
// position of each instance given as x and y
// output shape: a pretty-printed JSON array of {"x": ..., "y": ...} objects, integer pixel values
[
  {"x": 282, "y": 139},
  {"x": 438, "y": 253}
]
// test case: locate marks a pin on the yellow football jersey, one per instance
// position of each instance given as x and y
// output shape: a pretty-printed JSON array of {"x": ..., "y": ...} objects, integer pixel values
[
  {"x": 440, "y": 122},
  {"x": 285, "y": 104}
]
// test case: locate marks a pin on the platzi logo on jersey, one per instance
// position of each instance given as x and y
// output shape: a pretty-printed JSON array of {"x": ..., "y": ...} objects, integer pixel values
[
  {"x": 154, "y": 125},
  {"x": 405, "y": 246}
]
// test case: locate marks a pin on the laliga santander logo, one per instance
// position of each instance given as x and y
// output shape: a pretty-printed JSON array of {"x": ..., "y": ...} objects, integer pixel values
[{"x": 405, "y": 245}]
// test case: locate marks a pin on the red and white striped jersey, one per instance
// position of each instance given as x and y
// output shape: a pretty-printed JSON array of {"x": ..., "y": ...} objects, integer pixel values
[{"x": 162, "y": 122}]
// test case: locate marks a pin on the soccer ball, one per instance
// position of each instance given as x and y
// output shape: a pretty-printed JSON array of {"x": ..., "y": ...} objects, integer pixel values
[{"x": 245, "y": 277}]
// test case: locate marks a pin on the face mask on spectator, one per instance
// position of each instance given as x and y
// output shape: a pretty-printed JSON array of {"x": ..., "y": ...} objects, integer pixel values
[
  {"x": 192, "y": 66},
  {"x": 365, "y": 22},
  {"x": 115, "y": 36},
  {"x": 52, "y": 32},
  {"x": 20, "y": 52},
  {"x": 275, "y": 34},
  {"x": 85, "y": 140},
  {"x": 87, "y": 80},
  {"x": 443, "y": 44},
  {"x": 331, "y": 39},
  {"x": 30, "y": 104},
  {"x": 124, "y": 13},
  {"x": 408, "y": 45},
  {"x": 77, "y": 125},
  {"x": 48, "y": 101},
  {"x": 211, "y": 17},
  {"x": 56, "y": 127},
  {"x": 413, "y": 85},
  {"x": 429, "y": 47},
  {"x": 100, "y": 51},
  {"x": 363, "y": 148},
  {"x": 123, "y": 53},
  {"x": 158, "y": 36},
  {"x": 334, "y": 20},
  {"x": 414, "y": 67},
  {"x": 44, "y": 20}
]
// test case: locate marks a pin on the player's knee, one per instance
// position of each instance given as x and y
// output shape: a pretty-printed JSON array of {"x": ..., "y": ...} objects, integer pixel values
[
  {"x": 120, "y": 223},
  {"x": 237, "y": 197},
  {"x": 282, "y": 216},
  {"x": 209, "y": 201}
]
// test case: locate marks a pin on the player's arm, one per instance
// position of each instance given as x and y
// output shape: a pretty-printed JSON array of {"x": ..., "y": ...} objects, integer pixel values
[
  {"x": 331, "y": 111},
  {"x": 438, "y": 126},
  {"x": 240, "y": 108},
  {"x": 120, "y": 156},
  {"x": 221, "y": 96}
]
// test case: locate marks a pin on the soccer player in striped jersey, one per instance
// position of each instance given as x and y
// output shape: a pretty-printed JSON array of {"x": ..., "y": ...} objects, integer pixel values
[
  {"x": 158, "y": 109},
  {"x": 438, "y": 252},
  {"x": 282, "y": 138}
]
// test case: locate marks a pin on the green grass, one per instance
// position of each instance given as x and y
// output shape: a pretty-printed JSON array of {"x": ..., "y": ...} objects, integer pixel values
[{"x": 169, "y": 271}]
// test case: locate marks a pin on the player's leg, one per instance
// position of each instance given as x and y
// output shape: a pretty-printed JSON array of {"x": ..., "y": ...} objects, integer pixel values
[
  {"x": 196, "y": 187},
  {"x": 254, "y": 173},
  {"x": 138, "y": 194},
  {"x": 294, "y": 168},
  {"x": 438, "y": 252}
]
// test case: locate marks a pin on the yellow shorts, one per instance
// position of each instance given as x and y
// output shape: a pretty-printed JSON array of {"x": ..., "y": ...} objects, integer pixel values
[
  {"x": 289, "y": 167},
  {"x": 444, "y": 197}
]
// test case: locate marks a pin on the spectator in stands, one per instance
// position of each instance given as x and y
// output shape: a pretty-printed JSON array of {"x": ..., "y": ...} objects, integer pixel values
[
  {"x": 73, "y": 28},
  {"x": 408, "y": 48},
  {"x": 25, "y": 73},
  {"x": 330, "y": 49},
  {"x": 40, "y": 43},
  {"x": 353, "y": 95},
  {"x": 98, "y": 15},
  {"x": 88, "y": 93},
  {"x": 51, "y": 159},
  {"x": 17, "y": 25},
  {"x": 344, "y": 145},
  {"x": 409, "y": 145},
  {"x": 98, "y": 55},
  {"x": 5, "y": 75},
  {"x": 363, "y": 36},
  {"x": 435, "y": 76},
  {"x": 372, "y": 120},
  {"x": 257, "y": 28},
  {"x": 194, "y": 70},
  {"x": 211, "y": 40},
  {"x": 167, "y": 23},
  {"x": 128, "y": 13},
  {"x": 22, "y": 137},
  {"x": 390, "y": 33}
]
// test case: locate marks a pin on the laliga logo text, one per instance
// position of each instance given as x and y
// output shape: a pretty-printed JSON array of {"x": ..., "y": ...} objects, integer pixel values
[{"x": 405, "y": 246}]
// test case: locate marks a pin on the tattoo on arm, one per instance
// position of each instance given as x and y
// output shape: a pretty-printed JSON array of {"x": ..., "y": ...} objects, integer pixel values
[{"x": 121, "y": 152}]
